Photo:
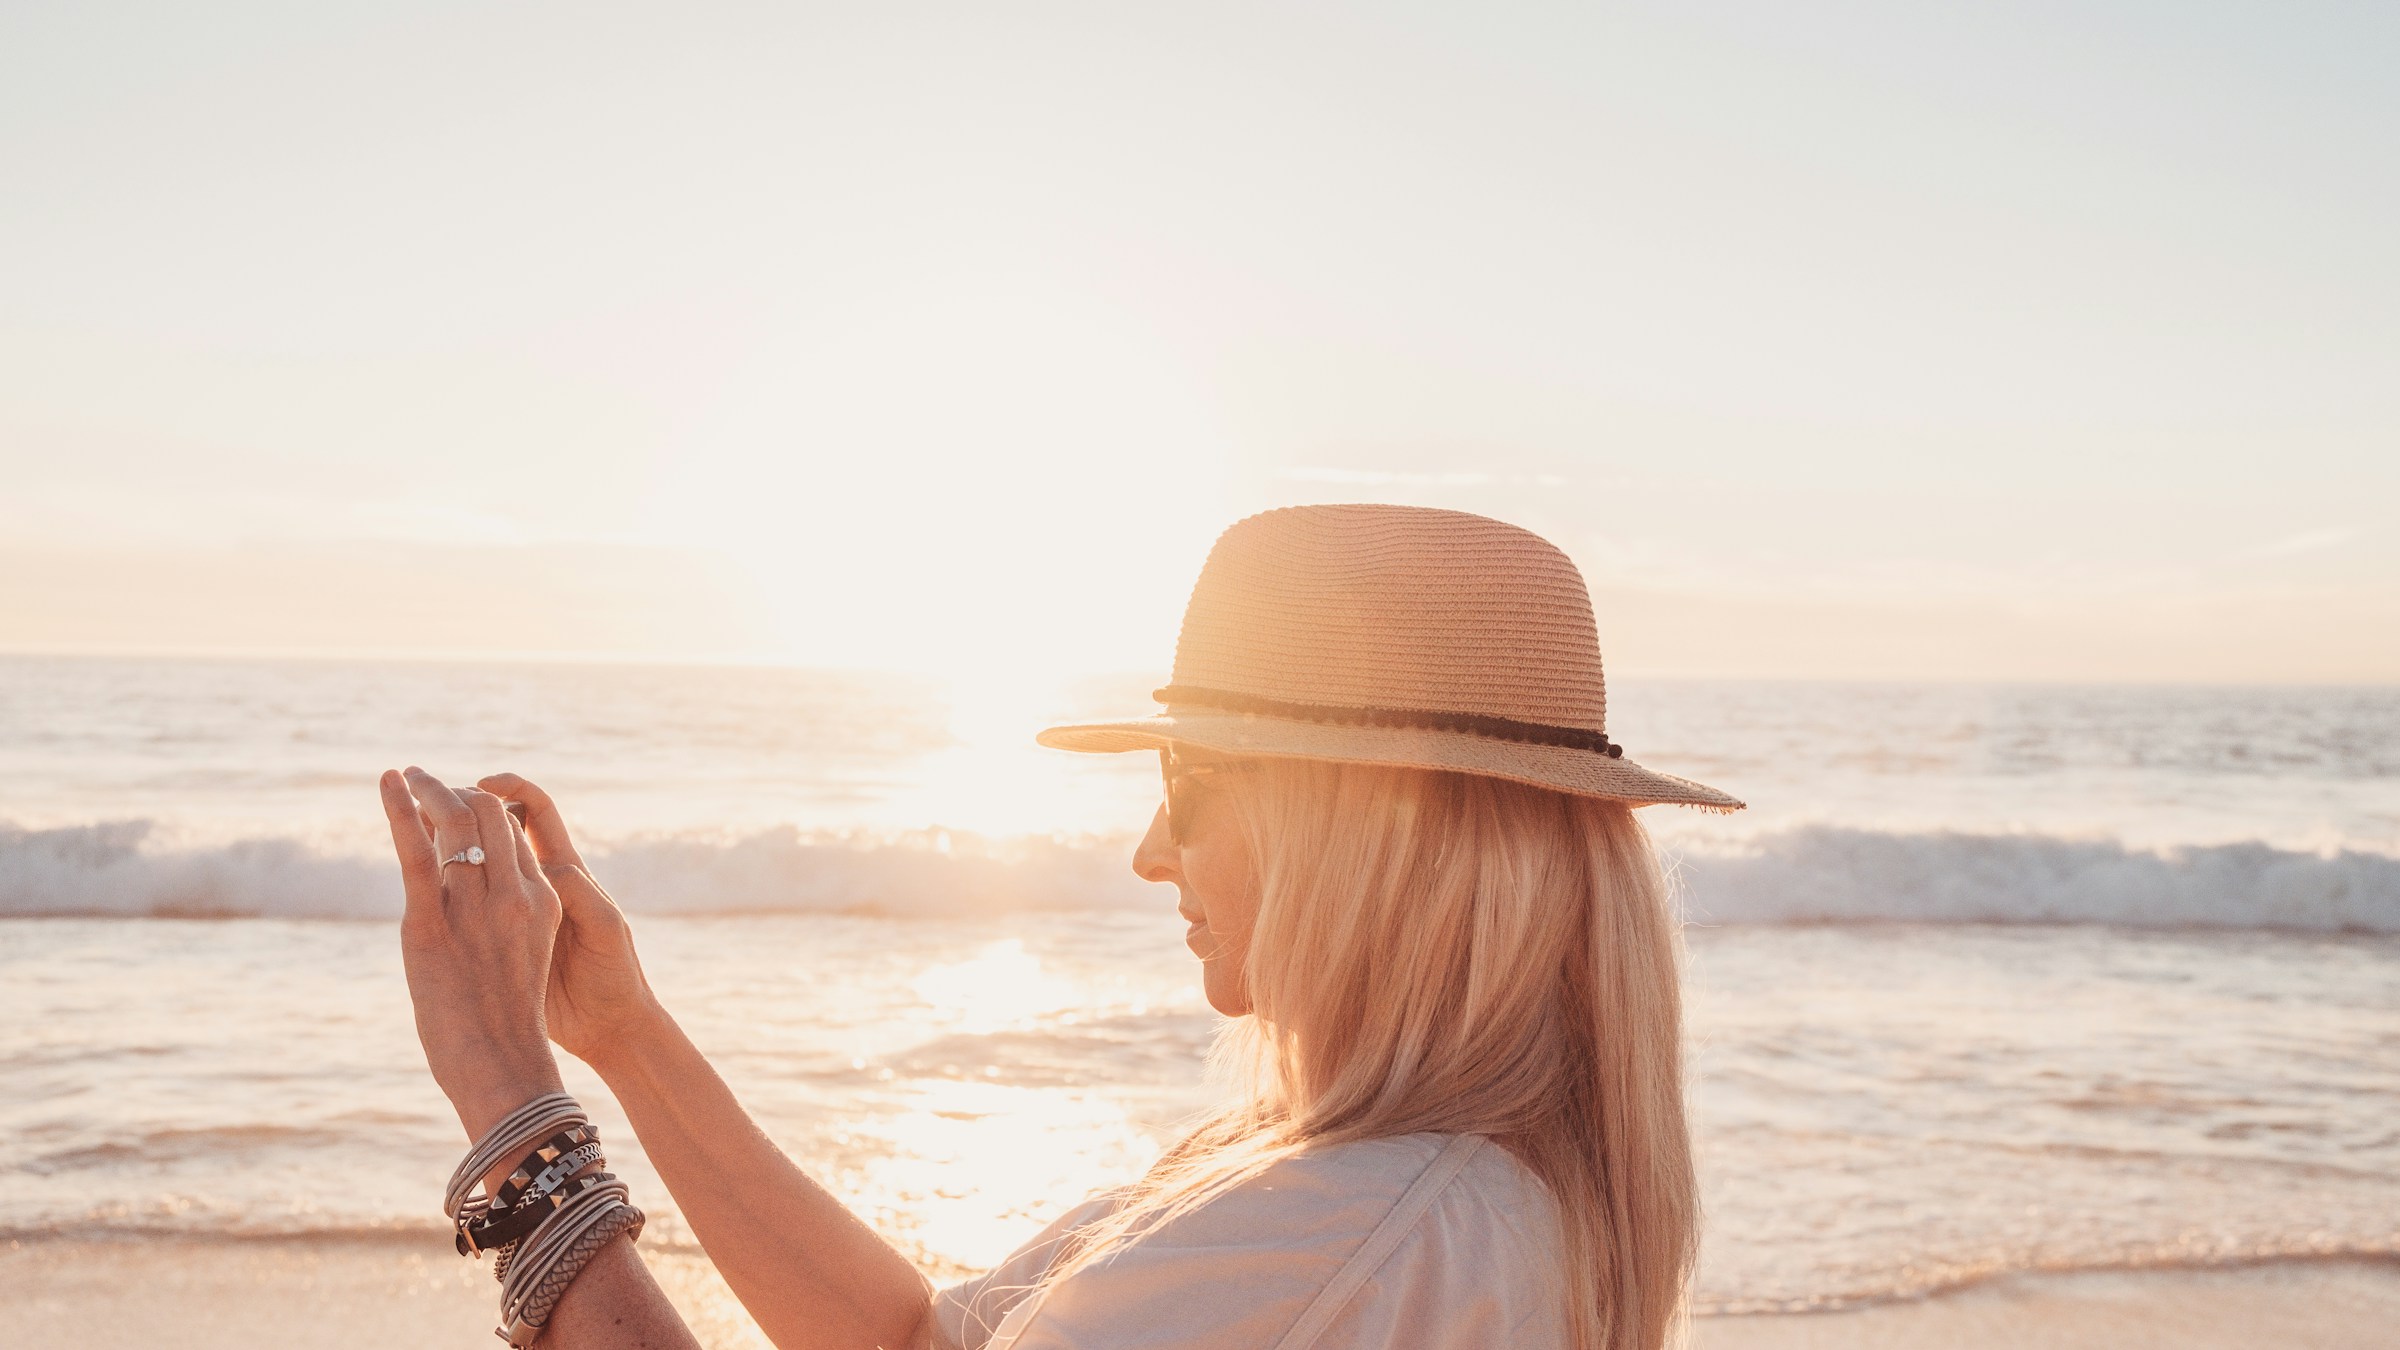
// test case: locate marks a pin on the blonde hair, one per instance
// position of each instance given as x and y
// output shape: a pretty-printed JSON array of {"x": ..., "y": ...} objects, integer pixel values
[{"x": 1463, "y": 954}]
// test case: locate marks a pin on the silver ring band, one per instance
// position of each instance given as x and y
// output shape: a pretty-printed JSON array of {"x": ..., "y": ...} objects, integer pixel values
[{"x": 472, "y": 854}]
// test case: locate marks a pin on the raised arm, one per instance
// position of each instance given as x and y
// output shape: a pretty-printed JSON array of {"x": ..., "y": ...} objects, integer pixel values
[
  {"x": 813, "y": 1275},
  {"x": 476, "y": 939}
]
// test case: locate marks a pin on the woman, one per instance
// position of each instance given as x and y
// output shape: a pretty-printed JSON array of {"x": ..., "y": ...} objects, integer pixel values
[{"x": 1407, "y": 851}]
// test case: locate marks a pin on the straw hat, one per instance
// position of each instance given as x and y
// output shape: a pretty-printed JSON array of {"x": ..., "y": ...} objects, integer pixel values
[{"x": 1394, "y": 635}]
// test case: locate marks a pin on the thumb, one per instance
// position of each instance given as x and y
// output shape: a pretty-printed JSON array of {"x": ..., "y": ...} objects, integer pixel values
[
  {"x": 543, "y": 822},
  {"x": 581, "y": 898}
]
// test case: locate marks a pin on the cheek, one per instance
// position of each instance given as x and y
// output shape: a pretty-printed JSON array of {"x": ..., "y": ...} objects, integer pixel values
[{"x": 1226, "y": 886}]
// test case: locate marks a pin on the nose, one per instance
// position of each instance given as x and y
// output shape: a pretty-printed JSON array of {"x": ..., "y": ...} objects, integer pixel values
[{"x": 1156, "y": 858}]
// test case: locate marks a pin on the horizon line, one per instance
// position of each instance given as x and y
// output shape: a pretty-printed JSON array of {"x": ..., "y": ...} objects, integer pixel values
[{"x": 755, "y": 661}]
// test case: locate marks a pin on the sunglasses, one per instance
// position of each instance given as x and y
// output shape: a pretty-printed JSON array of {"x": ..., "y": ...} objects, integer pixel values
[{"x": 1187, "y": 785}]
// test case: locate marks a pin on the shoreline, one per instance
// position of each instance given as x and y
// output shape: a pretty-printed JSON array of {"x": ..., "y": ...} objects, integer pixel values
[
  {"x": 2308, "y": 1302},
  {"x": 399, "y": 1294}
]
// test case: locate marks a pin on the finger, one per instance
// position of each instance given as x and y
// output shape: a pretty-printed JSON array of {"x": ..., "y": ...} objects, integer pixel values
[
  {"x": 559, "y": 861},
  {"x": 445, "y": 811},
  {"x": 454, "y": 829},
  {"x": 580, "y": 898},
  {"x": 420, "y": 868},
  {"x": 543, "y": 823},
  {"x": 537, "y": 882},
  {"x": 498, "y": 833},
  {"x": 528, "y": 866}
]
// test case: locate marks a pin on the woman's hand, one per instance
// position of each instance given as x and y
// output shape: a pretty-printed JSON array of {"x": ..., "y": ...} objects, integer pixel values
[
  {"x": 476, "y": 942},
  {"x": 810, "y": 1271},
  {"x": 598, "y": 997}
]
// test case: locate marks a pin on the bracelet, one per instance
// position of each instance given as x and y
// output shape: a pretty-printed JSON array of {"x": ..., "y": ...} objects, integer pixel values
[
  {"x": 504, "y": 1217},
  {"x": 501, "y": 1233},
  {"x": 574, "y": 1138},
  {"x": 548, "y": 1262},
  {"x": 522, "y": 1128},
  {"x": 544, "y": 1221}
]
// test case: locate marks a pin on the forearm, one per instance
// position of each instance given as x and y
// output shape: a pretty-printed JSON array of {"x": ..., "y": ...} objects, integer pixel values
[
  {"x": 616, "y": 1305},
  {"x": 813, "y": 1275}
]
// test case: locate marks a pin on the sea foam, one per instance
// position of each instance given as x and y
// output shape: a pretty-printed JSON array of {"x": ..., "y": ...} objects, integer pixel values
[
  {"x": 1826, "y": 874},
  {"x": 1812, "y": 874}
]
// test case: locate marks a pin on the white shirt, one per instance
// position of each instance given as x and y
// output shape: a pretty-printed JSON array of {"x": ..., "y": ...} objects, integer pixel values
[{"x": 1444, "y": 1242}]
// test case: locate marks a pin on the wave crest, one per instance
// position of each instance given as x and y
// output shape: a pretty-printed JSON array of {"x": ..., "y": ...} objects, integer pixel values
[
  {"x": 1816, "y": 874},
  {"x": 1825, "y": 874},
  {"x": 120, "y": 869}
]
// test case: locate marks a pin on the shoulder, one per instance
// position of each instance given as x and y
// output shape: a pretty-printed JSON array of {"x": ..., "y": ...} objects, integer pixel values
[
  {"x": 1427, "y": 1239},
  {"x": 1418, "y": 1192},
  {"x": 1482, "y": 1267}
]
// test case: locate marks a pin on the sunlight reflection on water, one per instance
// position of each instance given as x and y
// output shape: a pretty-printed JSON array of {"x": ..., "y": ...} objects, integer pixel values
[
  {"x": 1000, "y": 986},
  {"x": 1879, "y": 1109}
]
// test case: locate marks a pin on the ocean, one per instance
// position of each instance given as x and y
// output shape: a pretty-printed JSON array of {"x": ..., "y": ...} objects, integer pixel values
[{"x": 1988, "y": 979}]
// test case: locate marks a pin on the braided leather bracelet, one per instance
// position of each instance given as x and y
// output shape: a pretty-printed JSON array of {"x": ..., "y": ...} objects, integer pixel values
[
  {"x": 621, "y": 1220},
  {"x": 546, "y": 1263},
  {"x": 545, "y": 1222}
]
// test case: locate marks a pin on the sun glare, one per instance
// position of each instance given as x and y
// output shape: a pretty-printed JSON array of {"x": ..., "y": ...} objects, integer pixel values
[
  {"x": 993, "y": 779},
  {"x": 973, "y": 1149},
  {"x": 979, "y": 480},
  {"x": 978, "y": 1164},
  {"x": 999, "y": 988}
]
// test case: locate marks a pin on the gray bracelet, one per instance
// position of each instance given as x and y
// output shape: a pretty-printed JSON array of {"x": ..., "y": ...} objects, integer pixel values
[{"x": 545, "y": 1264}]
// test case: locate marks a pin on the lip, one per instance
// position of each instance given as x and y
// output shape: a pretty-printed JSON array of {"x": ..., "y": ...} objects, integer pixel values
[{"x": 1191, "y": 936}]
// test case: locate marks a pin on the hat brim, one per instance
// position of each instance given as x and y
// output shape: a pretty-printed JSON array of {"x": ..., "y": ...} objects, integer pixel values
[{"x": 1559, "y": 768}]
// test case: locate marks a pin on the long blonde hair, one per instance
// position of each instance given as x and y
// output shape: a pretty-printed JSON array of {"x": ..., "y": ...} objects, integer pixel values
[{"x": 1445, "y": 952}]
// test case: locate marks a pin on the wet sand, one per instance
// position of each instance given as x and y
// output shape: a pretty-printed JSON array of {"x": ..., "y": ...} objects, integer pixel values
[
  {"x": 2316, "y": 1305},
  {"x": 411, "y": 1295}
]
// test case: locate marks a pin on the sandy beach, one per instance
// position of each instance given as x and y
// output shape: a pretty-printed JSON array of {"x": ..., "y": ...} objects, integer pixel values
[{"x": 412, "y": 1295}]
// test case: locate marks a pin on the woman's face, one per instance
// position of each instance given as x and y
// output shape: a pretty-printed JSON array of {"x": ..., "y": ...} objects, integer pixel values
[{"x": 1215, "y": 880}]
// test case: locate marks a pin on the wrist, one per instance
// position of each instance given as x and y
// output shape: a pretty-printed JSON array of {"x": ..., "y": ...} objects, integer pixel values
[
  {"x": 484, "y": 1104},
  {"x": 630, "y": 1043}
]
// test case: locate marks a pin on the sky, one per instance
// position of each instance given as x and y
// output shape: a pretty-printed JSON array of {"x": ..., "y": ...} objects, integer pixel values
[{"x": 1886, "y": 340}]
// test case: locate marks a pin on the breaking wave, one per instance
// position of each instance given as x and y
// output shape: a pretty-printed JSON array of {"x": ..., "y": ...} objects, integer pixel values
[
  {"x": 1817, "y": 874},
  {"x": 121, "y": 869},
  {"x": 1824, "y": 874}
]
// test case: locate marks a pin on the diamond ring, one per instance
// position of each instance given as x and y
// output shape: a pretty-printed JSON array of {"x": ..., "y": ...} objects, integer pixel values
[{"x": 472, "y": 854}]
